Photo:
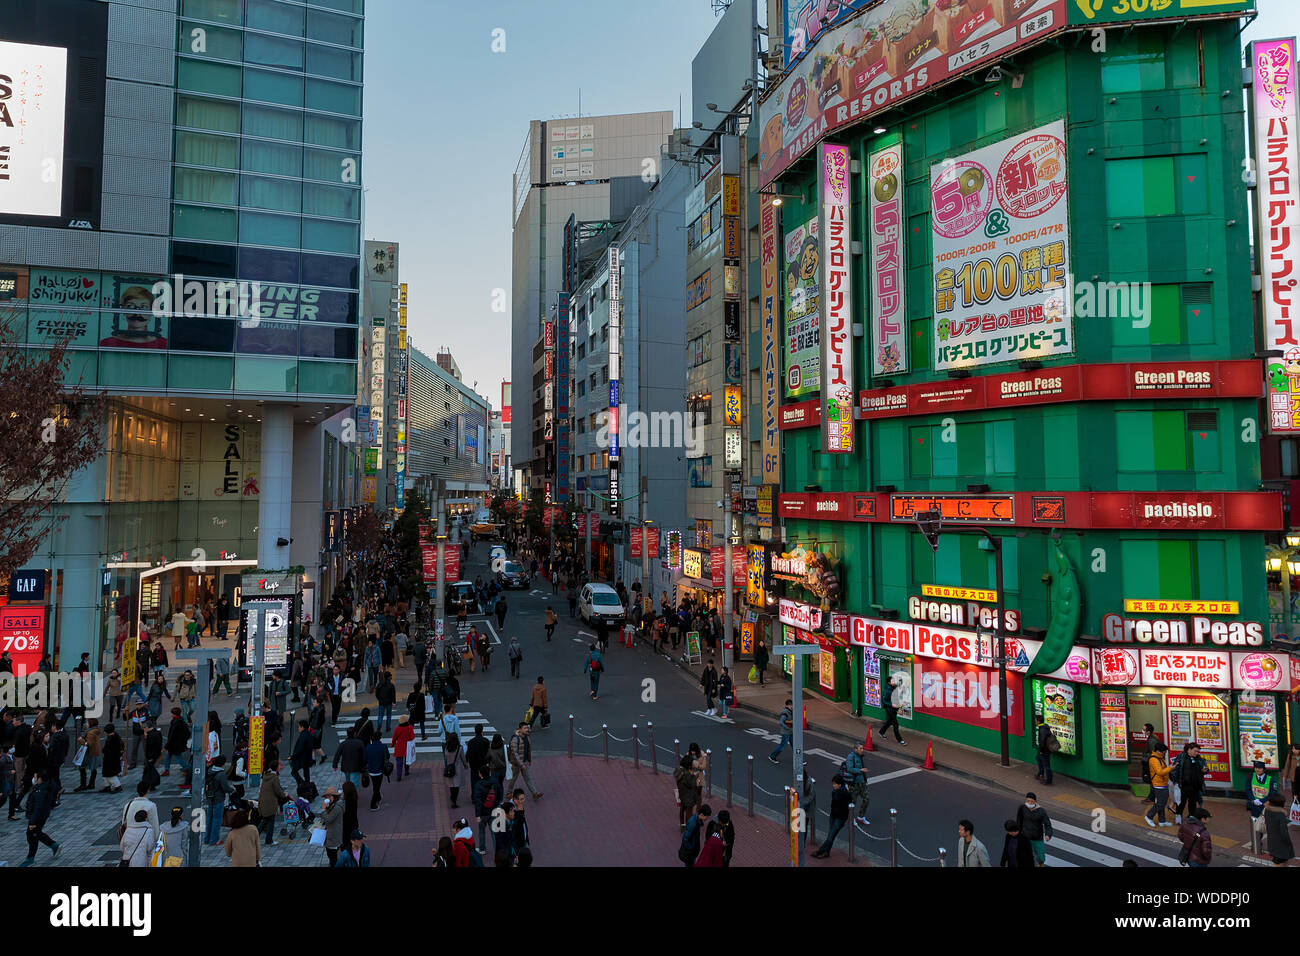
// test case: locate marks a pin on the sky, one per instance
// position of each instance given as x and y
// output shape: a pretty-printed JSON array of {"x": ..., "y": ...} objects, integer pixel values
[{"x": 446, "y": 119}]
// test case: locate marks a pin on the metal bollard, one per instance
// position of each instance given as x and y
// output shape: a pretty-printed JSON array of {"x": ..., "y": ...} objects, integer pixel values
[
  {"x": 728, "y": 776},
  {"x": 570, "y": 735},
  {"x": 636, "y": 749},
  {"x": 893, "y": 837},
  {"x": 654, "y": 754},
  {"x": 853, "y": 829},
  {"x": 708, "y": 759},
  {"x": 1254, "y": 838},
  {"x": 604, "y": 739},
  {"x": 943, "y": 857},
  {"x": 749, "y": 761},
  {"x": 677, "y": 749}
]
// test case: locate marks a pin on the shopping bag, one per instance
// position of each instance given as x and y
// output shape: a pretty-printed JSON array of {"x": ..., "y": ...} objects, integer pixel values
[
  {"x": 428, "y": 705},
  {"x": 410, "y": 753},
  {"x": 1295, "y": 813},
  {"x": 156, "y": 858},
  {"x": 80, "y": 757},
  {"x": 1175, "y": 794},
  {"x": 753, "y": 675},
  {"x": 528, "y": 715},
  {"x": 318, "y": 836}
]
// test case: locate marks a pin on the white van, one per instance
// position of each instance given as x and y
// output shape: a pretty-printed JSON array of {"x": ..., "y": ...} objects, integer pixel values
[{"x": 600, "y": 601}]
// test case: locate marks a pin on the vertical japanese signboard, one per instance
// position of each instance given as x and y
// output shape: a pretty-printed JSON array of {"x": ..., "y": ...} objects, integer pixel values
[
  {"x": 1113, "y": 712},
  {"x": 837, "y": 323},
  {"x": 802, "y": 305},
  {"x": 888, "y": 313},
  {"x": 1000, "y": 238},
  {"x": 771, "y": 336},
  {"x": 615, "y": 337},
  {"x": 1277, "y": 219},
  {"x": 562, "y": 399}
]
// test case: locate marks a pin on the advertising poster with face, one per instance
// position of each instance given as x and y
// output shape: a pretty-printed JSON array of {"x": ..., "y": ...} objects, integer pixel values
[
  {"x": 1054, "y": 705},
  {"x": 132, "y": 324},
  {"x": 1257, "y": 730},
  {"x": 802, "y": 348}
]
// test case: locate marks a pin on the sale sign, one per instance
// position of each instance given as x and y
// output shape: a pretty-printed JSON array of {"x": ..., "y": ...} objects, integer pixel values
[
  {"x": 1000, "y": 238},
  {"x": 22, "y": 635},
  {"x": 968, "y": 695}
]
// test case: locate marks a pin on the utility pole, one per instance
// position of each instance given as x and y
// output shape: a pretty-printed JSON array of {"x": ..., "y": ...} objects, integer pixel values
[
  {"x": 930, "y": 523},
  {"x": 646, "y": 590},
  {"x": 798, "y": 652},
  {"x": 588, "y": 524},
  {"x": 197, "y": 763},
  {"x": 441, "y": 539}
]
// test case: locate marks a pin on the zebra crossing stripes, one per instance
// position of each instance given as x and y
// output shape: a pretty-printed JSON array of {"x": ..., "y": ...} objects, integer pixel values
[
  {"x": 1133, "y": 850},
  {"x": 469, "y": 719}
]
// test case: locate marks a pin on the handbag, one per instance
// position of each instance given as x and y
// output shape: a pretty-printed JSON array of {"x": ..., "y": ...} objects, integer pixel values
[
  {"x": 752, "y": 677},
  {"x": 410, "y": 753},
  {"x": 81, "y": 756},
  {"x": 317, "y": 836},
  {"x": 1295, "y": 812}
]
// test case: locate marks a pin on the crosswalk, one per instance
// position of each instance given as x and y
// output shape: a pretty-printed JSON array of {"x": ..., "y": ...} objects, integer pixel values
[{"x": 469, "y": 719}]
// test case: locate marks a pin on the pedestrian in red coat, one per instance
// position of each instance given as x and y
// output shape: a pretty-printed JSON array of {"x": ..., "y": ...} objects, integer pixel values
[
  {"x": 714, "y": 849},
  {"x": 403, "y": 734}
]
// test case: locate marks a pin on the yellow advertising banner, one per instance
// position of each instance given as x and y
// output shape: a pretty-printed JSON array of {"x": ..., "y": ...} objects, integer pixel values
[
  {"x": 755, "y": 558},
  {"x": 369, "y": 489},
  {"x": 401, "y": 339},
  {"x": 256, "y": 743},
  {"x": 129, "y": 648},
  {"x": 961, "y": 594},
  {"x": 401, "y": 317},
  {"x": 731, "y": 195},
  {"x": 1148, "y": 606},
  {"x": 401, "y": 293}
]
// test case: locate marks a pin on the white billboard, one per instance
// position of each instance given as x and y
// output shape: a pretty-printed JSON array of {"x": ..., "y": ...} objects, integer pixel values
[{"x": 33, "y": 91}]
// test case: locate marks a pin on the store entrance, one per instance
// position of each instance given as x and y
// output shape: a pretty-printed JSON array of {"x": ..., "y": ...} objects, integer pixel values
[{"x": 1181, "y": 717}]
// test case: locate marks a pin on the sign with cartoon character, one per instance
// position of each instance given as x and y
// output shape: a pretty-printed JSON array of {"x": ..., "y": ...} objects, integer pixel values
[{"x": 801, "y": 358}]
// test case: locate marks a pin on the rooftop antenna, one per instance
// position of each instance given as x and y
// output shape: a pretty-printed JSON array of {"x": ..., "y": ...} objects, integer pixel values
[{"x": 720, "y": 7}]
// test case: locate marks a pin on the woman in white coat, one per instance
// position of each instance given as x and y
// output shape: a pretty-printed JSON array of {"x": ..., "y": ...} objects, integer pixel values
[{"x": 138, "y": 840}]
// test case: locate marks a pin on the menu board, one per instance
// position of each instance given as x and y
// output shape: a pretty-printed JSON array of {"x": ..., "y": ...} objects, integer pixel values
[
  {"x": 1054, "y": 705},
  {"x": 826, "y": 670},
  {"x": 1114, "y": 725},
  {"x": 1257, "y": 731},
  {"x": 870, "y": 677},
  {"x": 1203, "y": 719}
]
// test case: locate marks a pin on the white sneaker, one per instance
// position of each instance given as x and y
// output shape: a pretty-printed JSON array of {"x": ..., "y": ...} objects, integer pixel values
[
  {"x": 1151, "y": 823},
  {"x": 1165, "y": 824}
]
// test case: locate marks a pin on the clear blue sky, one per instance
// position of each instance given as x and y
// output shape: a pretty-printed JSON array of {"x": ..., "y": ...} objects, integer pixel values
[{"x": 446, "y": 118}]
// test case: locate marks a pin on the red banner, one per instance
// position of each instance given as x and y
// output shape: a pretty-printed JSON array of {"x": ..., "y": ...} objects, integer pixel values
[
  {"x": 966, "y": 694},
  {"x": 652, "y": 541},
  {"x": 739, "y": 570},
  {"x": 1157, "y": 510},
  {"x": 636, "y": 542},
  {"x": 429, "y": 562},
  {"x": 1065, "y": 383}
]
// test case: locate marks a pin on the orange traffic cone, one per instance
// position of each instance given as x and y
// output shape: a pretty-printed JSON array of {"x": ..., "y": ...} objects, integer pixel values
[
  {"x": 805, "y": 716},
  {"x": 869, "y": 744},
  {"x": 929, "y": 757}
]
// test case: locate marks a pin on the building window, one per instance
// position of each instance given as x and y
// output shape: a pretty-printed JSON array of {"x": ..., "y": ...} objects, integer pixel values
[
  {"x": 582, "y": 351},
  {"x": 1157, "y": 186},
  {"x": 1165, "y": 440},
  {"x": 699, "y": 472},
  {"x": 1151, "y": 60},
  {"x": 1172, "y": 313},
  {"x": 971, "y": 449}
]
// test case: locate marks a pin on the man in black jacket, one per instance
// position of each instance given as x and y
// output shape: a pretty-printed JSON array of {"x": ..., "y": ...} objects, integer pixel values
[
  {"x": 57, "y": 747},
  {"x": 385, "y": 696},
  {"x": 153, "y": 748},
  {"x": 709, "y": 681},
  {"x": 300, "y": 760},
  {"x": 1189, "y": 771},
  {"x": 476, "y": 751},
  {"x": 1016, "y": 850},
  {"x": 839, "y": 815},
  {"x": 39, "y": 806},
  {"x": 350, "y": 757},
  {"x": 178, "y": 746},
  {"x": 33, "y": 766}
]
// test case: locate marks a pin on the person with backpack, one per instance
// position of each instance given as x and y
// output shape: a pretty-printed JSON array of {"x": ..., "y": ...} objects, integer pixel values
[
  {"x": 1189, "y": 771},
  {"x": 516, "y": 654},
  {"x": 520, "y": 753},
  {"x": 1048, "y": 744},
  {"x": 1157, "y": 772},
  {"x": 463, "y": 850},
  {"x": 693, "y": 835},
  {"x": 1035, "y": 826},
  {"x": 784, "y": 727},
  {"x": 709, "y": 682},
  {"x": 595, "y": 666},
  {"x": 1197, "y": 849},
  {"x": 854, "y": 769},
  {"x": 839, "y": 815},
  {"x": 487, "y": 797}
]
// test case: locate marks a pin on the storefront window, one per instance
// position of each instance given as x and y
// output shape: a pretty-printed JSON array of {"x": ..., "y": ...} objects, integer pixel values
[
  {"x": 132, "y": 369},
  {"x": 266, "y": 375}
]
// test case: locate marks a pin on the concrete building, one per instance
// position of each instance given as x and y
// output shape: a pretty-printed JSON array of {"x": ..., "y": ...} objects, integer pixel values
[
  {"x": 652, "y": 440},
  {"x": 231, "y": 160},
  {"x": 447, "y": 432},
  {"x": 596, "y": 168}
]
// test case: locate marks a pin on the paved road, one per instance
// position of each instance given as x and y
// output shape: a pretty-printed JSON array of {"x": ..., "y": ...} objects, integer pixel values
[{"x": 640, "y": 687}]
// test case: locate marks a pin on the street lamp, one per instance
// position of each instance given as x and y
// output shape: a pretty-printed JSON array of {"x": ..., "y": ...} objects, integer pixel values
[{"x": 1275, "y": 558}]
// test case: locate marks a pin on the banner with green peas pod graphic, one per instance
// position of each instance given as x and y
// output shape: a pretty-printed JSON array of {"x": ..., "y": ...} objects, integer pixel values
[{"x": 1000, "y": 225}]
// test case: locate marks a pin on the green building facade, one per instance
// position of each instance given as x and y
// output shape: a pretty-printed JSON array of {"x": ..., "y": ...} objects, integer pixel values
[{"x": 1136, "y": 499}]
